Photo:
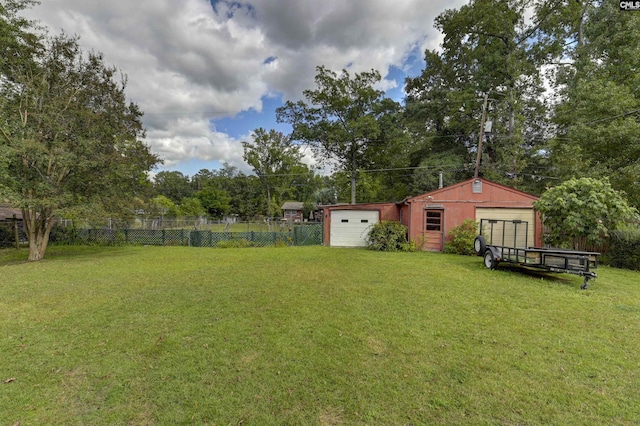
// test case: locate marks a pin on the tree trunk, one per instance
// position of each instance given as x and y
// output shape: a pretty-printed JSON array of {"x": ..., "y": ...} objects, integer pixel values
[
  {"x": 269, "y": 215},
  {"x": 512, "y": 131},
  {"x": 38, "y": 224},
  {"x": 354, "y": 170}
]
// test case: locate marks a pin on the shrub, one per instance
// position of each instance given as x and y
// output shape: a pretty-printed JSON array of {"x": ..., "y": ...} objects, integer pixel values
[
  {"x": 239, "y": 243},
  {"x": 389, "y": 236},
  {"x": 6, "y": 236},
  {"x": 63, "y": 235},
  {"x": 624, "y": 248},
  {"x": 581, "y": 212},
  {"x": 280, "y": 242},
  {"x": 461, "y": 238}
]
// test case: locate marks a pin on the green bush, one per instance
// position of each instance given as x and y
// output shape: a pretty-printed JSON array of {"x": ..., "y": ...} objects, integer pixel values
[
  {"x": 389, "y": 236},
  {"x": 624, "y": 249},
  {"x": 280, "y": 242},
  {"x": 239, "y": 243},
  {"x": 461, "y": 238},
  {"x": 63, "y": 236},
  {"x": 6, "y": 236},
  {"x": 579, "y": 213}
]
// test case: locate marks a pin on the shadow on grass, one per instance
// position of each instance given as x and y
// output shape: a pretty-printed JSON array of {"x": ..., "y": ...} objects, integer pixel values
[
  {"x": 560, "y": 278},
  {"x": 59, "y": 252}
]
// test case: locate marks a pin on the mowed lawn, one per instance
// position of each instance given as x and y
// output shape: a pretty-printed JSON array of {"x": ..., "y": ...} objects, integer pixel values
[{"x": 310, "y": 335}]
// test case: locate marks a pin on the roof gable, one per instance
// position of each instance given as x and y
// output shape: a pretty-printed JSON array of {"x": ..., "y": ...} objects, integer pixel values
[{"x": 464, "y": 189}]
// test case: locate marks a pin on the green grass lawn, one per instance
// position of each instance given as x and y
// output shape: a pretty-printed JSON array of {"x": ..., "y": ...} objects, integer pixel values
[{"x": 310, "y": 335}]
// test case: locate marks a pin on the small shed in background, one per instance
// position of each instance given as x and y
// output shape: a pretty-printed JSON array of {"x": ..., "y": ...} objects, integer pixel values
[
  {"x": 11, "y": 220},
  {"x": 292, "y": 211},
  {"x": 431, "y": 216},
  {"x": 8, "y": 213}
]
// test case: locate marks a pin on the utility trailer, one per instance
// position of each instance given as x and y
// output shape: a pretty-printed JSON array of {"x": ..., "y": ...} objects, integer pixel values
[{"x": 506, "y": 241}]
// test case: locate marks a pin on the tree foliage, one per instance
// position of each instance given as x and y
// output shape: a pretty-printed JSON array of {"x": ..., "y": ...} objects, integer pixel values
[
  {"x": 597, "y": 127},
  {"x": 162, "y": 206},
  {"x": 489, "y": 48},
  {"x": 581, "y": 212},
  {"x": 624, "y": 248},
  {"x": 191, "y": 207},
  {"x": 341, "y": 119},
  {"x": 276, "y": 162},
  {"x": 173, "y": 185},
  {"x": 245, "y": 193},
  {"x": 68, "y": 136},
  {"x": 216, "y": 202}
]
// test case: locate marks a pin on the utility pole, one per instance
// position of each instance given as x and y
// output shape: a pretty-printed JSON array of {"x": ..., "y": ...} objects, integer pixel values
[{"x": 484, "y": 117}]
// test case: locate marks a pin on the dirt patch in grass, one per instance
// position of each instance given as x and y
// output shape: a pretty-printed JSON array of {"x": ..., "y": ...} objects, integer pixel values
[{"x": 331, "y": 416}]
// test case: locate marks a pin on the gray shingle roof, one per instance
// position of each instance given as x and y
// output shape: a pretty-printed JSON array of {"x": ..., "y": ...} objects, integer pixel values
[{"x": 292, "y": 205}]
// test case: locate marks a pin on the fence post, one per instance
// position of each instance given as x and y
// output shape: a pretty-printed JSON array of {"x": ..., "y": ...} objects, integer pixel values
[
  {"x": 163, "y": 236},
  {"x": 126, "y": 236}
]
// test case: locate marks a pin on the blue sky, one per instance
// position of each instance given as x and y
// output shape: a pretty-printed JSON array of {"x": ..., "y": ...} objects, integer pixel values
[{"x": 207, "y": 76}]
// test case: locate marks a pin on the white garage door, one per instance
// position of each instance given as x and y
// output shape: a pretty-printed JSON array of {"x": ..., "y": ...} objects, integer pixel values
[
  {"x": 526, "y": 215},
  {"x": 349, "y": 228}
]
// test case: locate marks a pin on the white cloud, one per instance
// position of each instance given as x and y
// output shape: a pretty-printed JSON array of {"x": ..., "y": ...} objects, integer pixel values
[{"x": 189, "y": 62}]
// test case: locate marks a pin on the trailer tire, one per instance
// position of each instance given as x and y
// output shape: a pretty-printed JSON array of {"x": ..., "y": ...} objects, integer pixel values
[
  {"x": 490, "y": 261},
  {"x": 479, "y": 244}
]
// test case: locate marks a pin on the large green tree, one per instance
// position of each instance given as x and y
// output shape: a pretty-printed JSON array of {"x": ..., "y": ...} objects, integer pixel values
[
  {"x": 68, "y": 136},
  {"x": 216, "y": 202},
  {"x": 341, "y": 119},
  {"x": 276, "y": 161},
  {"x": 598, "y": 117},
  {"x": 173, "y": 185},
  {"x": 245, "y": 193},
  {"x": 490, "y": 49}
]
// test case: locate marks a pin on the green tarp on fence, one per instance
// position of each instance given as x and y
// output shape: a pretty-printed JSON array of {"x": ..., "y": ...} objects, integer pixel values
[{"x": 301, "y": 235}]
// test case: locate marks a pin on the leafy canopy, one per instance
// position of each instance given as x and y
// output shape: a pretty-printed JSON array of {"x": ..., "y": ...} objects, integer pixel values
[
  {"x": 276, "y": 161},
  {"x": 68, "y": 136},
  {"x": 342, "y": 119},
  {"x": 580, "y": 212}
]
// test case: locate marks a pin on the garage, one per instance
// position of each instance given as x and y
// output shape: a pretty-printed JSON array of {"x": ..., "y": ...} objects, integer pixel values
[
  {"x": 476, "y": 199},
  {"x": 524, "y": 214},
  {"x": 350, "y": 228},
  {"x": 431, "y": 217}
]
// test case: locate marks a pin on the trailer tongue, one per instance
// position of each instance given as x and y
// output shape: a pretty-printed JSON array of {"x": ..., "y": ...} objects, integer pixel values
[{"x": 506, "y": 241}]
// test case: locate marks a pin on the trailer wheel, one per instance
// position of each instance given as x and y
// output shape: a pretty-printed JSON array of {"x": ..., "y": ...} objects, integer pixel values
[
  {"x": 490, "y": 260},
  {"x": 479, "y": 244}
]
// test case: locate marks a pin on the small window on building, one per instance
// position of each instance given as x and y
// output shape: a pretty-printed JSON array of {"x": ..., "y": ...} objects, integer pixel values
[
  {"x": 345, "y": 220},
  {"x": 364, "y": 220},
  {"x": 434, "y": 221}
]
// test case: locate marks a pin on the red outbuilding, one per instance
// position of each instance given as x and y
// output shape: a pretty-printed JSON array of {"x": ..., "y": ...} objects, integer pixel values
[{"x": 429, "y": 217}]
